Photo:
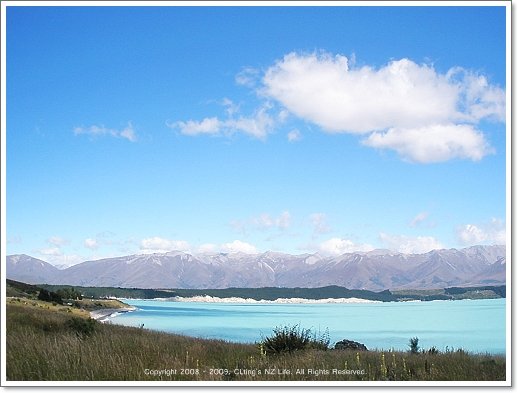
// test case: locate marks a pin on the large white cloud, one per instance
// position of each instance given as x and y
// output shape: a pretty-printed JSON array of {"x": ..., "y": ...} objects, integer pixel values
[
  {"x": 324, "y": 90},
  {"x": 424, "y": 115}
]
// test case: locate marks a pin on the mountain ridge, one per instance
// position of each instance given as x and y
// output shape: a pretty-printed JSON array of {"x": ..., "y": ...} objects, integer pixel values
[{"x": 476, "y": 265}]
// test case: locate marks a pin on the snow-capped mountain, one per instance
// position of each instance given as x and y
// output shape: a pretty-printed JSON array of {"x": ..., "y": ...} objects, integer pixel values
[{"x": 379, "y": 270}]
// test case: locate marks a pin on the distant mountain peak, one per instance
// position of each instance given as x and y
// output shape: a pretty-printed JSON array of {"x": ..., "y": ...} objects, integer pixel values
[{"x": 373, "y": 270}]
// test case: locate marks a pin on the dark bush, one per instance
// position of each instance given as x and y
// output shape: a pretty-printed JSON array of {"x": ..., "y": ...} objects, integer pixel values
[
  {"x": 82, "y": 327},
  {"x": 289, "y": 339},
  {"x": 349, "y": 344},
  {"x": 433, "y": 351},
  {"x": 51, "y": 297},
  {"x": 414, "y": 345}
]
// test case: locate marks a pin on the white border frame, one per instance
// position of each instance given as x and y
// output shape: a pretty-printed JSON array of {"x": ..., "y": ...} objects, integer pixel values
[{"x": 367, "y": 3}]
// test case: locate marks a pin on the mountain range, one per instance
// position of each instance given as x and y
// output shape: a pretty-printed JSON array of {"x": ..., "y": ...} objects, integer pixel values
[{"x": 375, "y": 270}]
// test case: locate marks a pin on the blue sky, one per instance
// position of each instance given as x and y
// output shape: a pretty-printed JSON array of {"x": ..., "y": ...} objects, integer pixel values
[{"x": 222, "y": 129}]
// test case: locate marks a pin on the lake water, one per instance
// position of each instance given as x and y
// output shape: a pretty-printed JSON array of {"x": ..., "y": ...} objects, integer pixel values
[{"x": 474, "y": 325}]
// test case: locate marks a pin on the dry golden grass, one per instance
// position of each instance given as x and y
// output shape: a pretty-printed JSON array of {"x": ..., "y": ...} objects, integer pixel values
[{"x": 41, "y": 346}]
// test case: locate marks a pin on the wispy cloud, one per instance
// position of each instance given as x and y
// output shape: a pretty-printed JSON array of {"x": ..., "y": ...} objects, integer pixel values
[
  {"x": 91, "y": 244},
  {"x": 157, "y": 244},
  {"x": 339, "y": 246},
  {"x": 57, "y": 241},
  {"x": 418, "y": 219},
  {"x": 258, "y": 125},
  {"x": 248, "y": 77},
  {"x": 263, "y": 222},
  {"x": 56, "y": 256},
  {"x": 294, "y": 135},
  {"x": 409, "y": 244},
  {"x": 319, "y": 223},
  {"x": 127, "y": 132}
]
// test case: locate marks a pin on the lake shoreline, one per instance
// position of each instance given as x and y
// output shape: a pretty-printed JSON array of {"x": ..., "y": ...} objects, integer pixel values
[
  {"x": 214, "y": 299},
  {"x": 106, "y": 314}
]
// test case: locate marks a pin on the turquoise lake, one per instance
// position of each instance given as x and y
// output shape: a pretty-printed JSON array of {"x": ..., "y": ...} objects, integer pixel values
[{"x": 474, "y": 325}]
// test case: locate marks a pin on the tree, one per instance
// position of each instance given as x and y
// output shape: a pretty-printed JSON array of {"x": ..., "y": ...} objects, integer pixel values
[
  {"x": 48, "y": 296},
  {"x": 414, "y": 345}
]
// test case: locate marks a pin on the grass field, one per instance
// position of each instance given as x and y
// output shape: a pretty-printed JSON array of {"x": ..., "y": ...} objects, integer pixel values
[{"x": 56, "y": 343}]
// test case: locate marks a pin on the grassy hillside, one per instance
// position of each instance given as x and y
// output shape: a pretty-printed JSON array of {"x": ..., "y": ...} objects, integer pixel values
[{"x": 46, "y": 343}]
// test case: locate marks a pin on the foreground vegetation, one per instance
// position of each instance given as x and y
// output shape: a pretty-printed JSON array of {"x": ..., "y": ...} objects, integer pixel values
[{"x": 47, "y": 342}]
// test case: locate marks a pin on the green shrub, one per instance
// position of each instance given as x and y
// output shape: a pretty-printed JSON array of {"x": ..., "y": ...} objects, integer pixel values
[
  {"x": 414, "y": 345},
  {"x": 82, "y": 327},
  {"x": 289, "y": 339}
]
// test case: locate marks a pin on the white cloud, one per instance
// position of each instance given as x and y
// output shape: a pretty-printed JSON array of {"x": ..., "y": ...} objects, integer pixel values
[
  {"x": 60, "y": 259},
  {"x": 410, "y": 245},
  {"x": 259, "y": 125},
  {"x": 239, "y": 246},
  {"x": 231, "y": 108},
  {"x": 232, "y": 247},
  {"x": 424, "y": 115},
  {"x": 294, "y": 135},
  {"x": 248, "y": 77},
  {"x": 478, "y": 99},
  {"x": 160, "y": 245},
  {"x": 418, "y": 219},
  {"x": 338, "y": 246},
  {"x": 51, "y": 251},
  {"x": 493, "y": 232},
  {"x": 319, "y": 222},
  {"x": 91, "y": 244},
  {"x": 126, "y": 133},
  {"x": 323, "y": 89},
  {"x": 55, "y": 256},
  {"x": 57, "y": 241},
  {"x": 208, "y": 248},
  {"x": 209, "y": 126},
  {"x": 265, "y": 221},
  {"x": 283, "y": 116},
  {"x": 433, "y": 143}
]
